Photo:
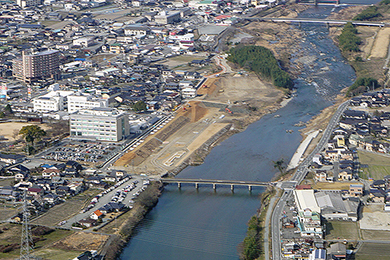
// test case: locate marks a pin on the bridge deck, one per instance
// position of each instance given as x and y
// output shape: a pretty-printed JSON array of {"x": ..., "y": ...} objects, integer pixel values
[{"x": 222, "y": 182}]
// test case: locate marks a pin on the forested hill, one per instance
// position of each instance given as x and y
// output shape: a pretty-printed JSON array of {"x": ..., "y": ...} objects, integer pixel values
[{"x": 261, "y": 60}]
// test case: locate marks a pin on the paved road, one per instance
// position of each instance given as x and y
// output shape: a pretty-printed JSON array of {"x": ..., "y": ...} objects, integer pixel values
[
  {"x": 267, "y": 224},
  {"x": 298, "y": 177},
  {"x": 310, "y": 20}
]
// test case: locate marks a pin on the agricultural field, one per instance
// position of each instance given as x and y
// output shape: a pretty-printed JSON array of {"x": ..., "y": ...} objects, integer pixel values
[
  {"x": 371, "y": 251},
  {"x": 374, "y": 166}
]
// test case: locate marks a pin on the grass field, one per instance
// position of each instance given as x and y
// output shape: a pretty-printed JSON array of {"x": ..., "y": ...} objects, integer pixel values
[
  {"x": 65, "y": 210},
  {"x": 371, "y": 251},
  {"x": 378, "y": 165},
  {"x": 342, "y": 230},
  {"x": 12, "y": 233}
]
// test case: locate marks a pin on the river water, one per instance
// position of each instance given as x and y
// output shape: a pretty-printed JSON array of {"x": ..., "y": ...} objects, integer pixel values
[{"x": 203, "y": 224}]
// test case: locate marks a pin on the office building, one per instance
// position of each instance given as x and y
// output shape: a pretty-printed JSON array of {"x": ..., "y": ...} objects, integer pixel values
[{"x": 103, "y": 124}]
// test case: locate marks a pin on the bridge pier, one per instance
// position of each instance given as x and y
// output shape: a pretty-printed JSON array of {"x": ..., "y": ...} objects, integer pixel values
[
  {"x": 196, "y": 185},
  {"x": 232, "y": 187},
  {"x": 214, "y": 186},
  {"x": 179, "y": 185},
  {"x": 249, "y": 187}
]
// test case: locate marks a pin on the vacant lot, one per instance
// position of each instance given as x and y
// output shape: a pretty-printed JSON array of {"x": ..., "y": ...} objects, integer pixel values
[
  {"x": 65, "y": 210},
  {"x": 8, "y": 129},
  {"x": 371, "y": 251},
  {"x": 376, "y": 166},
  {"x": 374, "y": 218},
  {"x": 342, "y": 230}
]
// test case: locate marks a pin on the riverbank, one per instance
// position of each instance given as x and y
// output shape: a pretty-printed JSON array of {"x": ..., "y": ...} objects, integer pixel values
[{"x": 123, "y": 228}]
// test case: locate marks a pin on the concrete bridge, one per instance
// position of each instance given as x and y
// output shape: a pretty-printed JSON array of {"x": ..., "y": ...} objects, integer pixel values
[
  {"x": 310, "y": 20},
  {"x": 230, "y": 183}
]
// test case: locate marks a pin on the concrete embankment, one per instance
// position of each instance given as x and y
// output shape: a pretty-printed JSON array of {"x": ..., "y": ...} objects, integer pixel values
[{"x": 301, "y": 150}]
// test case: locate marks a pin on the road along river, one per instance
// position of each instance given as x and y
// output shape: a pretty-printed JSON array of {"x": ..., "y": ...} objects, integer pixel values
[{"x": 203, "y": 224}]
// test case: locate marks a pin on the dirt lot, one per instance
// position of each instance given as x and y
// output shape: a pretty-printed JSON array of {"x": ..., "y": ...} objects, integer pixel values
[
  {"x": 381, "y": 43},
  {"x": 332, "y": 186},
  {"x": 7, "y": 129},
  {"x": 374, "y": 218},
  {"x": 78, "y": 240}
]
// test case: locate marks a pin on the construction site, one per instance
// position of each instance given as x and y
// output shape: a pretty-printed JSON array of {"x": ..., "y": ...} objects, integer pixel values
[{"x": 222, "y": 102}]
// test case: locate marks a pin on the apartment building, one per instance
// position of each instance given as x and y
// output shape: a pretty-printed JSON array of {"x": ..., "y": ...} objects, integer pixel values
[
  {"x": 103, "y": 124},
  {"x": 35, "y": 66},
  {"x": 27, "y": 3}
]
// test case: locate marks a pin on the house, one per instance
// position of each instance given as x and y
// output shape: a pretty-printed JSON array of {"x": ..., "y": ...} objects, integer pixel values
[
  {"x": 21, "y": 176},
  {"x": 72, "y": 168},
  {"x": 35, "y": 191},
  {"x": 7, "y": 192},
  {"x": 51, "y": 172},
  {"x": 50, "y": 198},
  {"x": 318, "y": 254},
  {"x": 345, "y": 175},
  {"x": 97, "y": 214},
  {"x": 12, "y": 158},
  {"x": 63, "y": 191},
  {"x": 356, "y": 190},
  {"x": 88, "y": 222},
  {"x": 377, "y": 195},
  {"x": 378, "y": 184},
  {"x": 338, "y": 251},
  {"x": 116, "y": 206}
]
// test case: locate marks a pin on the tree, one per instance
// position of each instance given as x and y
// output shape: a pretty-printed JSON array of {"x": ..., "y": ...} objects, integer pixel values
[
  {"x": 139, "y": 106},
  {"x": 279, "y": 164},
  {"x": 8, "y": 109},
  {"x": 31, "y": 133}
]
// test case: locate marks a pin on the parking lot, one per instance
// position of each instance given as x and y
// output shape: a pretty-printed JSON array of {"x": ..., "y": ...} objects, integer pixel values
[
  {"x": 87, "y": 152},
  {"x": 116, "y": 193}
]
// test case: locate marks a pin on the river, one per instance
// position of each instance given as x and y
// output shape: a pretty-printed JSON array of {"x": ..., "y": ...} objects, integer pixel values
[{"x": 203, "y": 224}]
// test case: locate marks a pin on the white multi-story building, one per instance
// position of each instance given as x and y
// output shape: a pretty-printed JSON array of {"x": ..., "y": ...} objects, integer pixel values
[
  {"x": 104, "y": 124},
  {"x": 84, "y": 41},
  {"x": 136, "y": 30},
  {"x": 80, "y": 101},
  {"x": 52, "y": 101}
]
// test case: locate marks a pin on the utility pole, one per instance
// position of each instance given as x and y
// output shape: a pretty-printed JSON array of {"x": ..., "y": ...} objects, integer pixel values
[{"x": 26, "y": 240}]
